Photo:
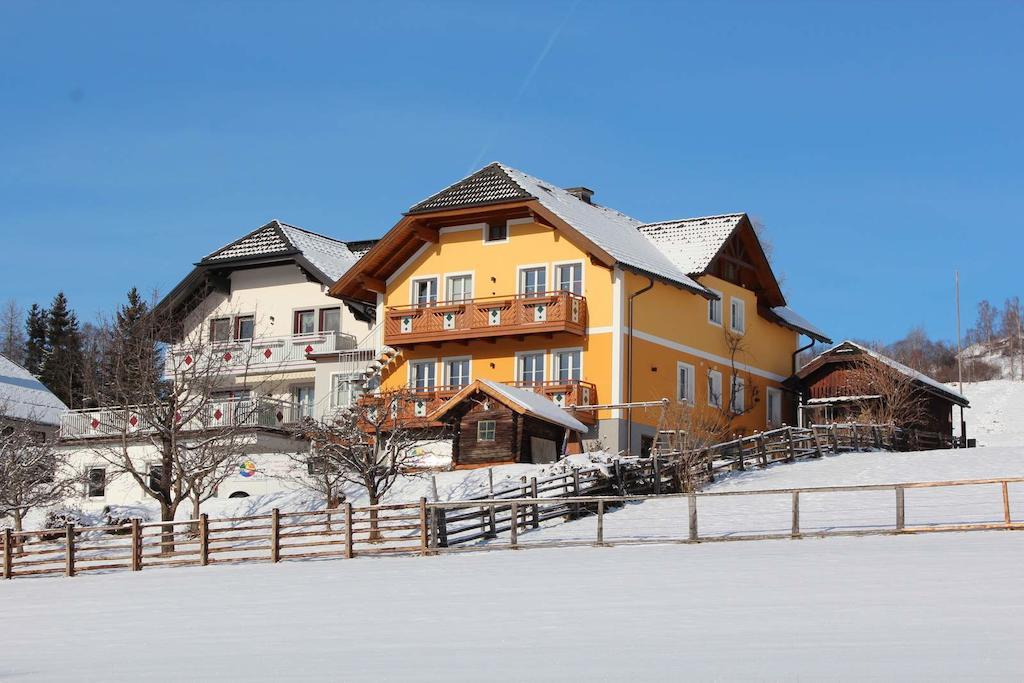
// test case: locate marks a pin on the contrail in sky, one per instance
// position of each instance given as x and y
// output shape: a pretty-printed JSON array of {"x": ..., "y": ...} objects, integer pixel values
[{"x": 525, "y": 85}]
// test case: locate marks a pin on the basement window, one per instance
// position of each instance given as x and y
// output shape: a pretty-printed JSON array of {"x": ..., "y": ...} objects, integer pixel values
[{"x": 485, "y": 430}]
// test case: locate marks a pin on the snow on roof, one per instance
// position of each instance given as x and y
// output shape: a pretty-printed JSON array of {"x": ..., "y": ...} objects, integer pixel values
[
  {"x": 24, "y": 397},
  {"x": 901, "y": 368},
  {"x": 798, "y": 322},
  {"x": 539, "y": 406},
  {"x": 330, "y": 256},
  {"x": 691, "y": 243}
]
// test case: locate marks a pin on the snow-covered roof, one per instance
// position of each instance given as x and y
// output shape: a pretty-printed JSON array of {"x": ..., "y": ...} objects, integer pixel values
[
  {"x": 840, "y": 399},
  {"x": 692, "y": 243},
  {"x": 800, "y": 323},
  {"x": 23, "y": 397},
  {"x": 612, "y": 231},
  {"x": 897, "y": 366},
  {"x": 537, "y": 405}
]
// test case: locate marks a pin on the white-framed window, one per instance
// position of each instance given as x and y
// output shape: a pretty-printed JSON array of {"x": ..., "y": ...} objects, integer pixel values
[
  {"x": 424, "y": 291},
  {"x": 738, "y": 395},
  {"x": 456, "y": 371},
  {"x": 773, "y": 403},
  {"x": 96, "y": 482},
  {"x": 496, "y": 232},
  {"x": 737, "y": 315},
  {"x": 530, "y": 367},
  {"x": 715, "y": 309},
  {"x": 533, "y": 280},
  {"x": 345, "y": 389},
  {"x": 302, "y": 398},
  {"x": 220, "y": 329},
  {"x": 330, "y": 319},
  {"x": 423, "y": 374},
  {"x": 569, "y": 277},
  {"x": 685, "y": 382},
  {"x": 714, "y": 388},
  {"x": 305, "y": 322},
  {"x": 245, "y": 327},
  {"x": 459, "y": 287},
  {"x": 568, "y": 364},
  {"x": 486, "y": 430}
]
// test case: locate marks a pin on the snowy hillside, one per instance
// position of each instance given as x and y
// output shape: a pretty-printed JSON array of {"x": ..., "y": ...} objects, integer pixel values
[{"x": 996, "y": 415}]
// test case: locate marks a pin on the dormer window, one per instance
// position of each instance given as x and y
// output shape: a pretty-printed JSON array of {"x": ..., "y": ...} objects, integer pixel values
[{"x": 496, "y": 232}]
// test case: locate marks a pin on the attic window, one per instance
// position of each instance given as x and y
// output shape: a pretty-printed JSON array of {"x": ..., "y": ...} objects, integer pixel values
[{"x": 496, "y": 232}]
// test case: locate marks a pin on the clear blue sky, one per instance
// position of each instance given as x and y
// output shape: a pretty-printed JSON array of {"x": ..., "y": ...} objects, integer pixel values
[{"x": 880, "y": 143}]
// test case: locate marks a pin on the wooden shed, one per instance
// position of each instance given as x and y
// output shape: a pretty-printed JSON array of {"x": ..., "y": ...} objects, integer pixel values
[
  {"x": 830, "y": 392},
  {"x": 495, "y": 423}
]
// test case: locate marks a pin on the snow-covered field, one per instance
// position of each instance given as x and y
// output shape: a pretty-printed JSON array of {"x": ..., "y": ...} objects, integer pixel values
[
  {"x": 918, "y": 608},
  {"x": 996, "y": 415}
]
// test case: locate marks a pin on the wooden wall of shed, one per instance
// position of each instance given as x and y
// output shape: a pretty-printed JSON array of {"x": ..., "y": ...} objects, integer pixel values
[
  {"x": 467, "y": 450},
  {"x": 545, "y": 430}
]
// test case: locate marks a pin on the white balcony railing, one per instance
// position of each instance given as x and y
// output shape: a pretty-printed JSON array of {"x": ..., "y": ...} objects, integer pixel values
[
  {"x": 259, "y": 411},
  {"x": 268, "y": 354}
]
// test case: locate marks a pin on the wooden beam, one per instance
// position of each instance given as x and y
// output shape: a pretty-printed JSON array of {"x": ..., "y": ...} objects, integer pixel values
[
  {"x": 373, "y": 284},
  {"x": 426, "y": 233}
]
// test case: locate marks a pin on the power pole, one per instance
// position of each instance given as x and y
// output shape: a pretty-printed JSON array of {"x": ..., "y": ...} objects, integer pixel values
[{"x": 960, "y": 362}]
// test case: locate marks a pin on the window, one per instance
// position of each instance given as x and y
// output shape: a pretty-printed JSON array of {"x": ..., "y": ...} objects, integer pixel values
[
  {"x": 486, "y": 430},
  {"x": 345, "y": 389},
  {"x": 533, "y": 281},
  {"x": 737, "y": 315},
  {"x": 569, "y": 277},
  {"x": 646, "y": 445},
  {"x": 220, "y": 329},
  {"x": 245, "y": 325},
  {"x": 685, "y": 382},
  {"x": 458, "y": 287},
  {"x": 422, "y": 375},
  {"x": 456, "y": 372},
  {"x": 774, "y": 400},
  {"x": 156, "y": 474},
  {"x": 496, "y": 232},
  {"x": 738, "y": 395},
  {"x": 714, "y": 388},
  {"x": 305, "y": 322},
  {"x": 715, "y": 310},
  {"x": 330, "y": 320},
  {"x": 302, "y": 397},
  {"x": 424, "y": 292},
  {"x": 96, "y": 482},
  {"x": 568, "y": 365},
  {"x": 531, "y": 368}
]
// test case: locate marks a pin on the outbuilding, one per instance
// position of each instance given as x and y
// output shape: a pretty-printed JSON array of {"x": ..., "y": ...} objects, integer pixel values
[{"x": 496, "y": 423}]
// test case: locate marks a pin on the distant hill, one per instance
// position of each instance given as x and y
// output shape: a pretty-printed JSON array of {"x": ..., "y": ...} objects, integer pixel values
[{"x": 996, "y": 359}]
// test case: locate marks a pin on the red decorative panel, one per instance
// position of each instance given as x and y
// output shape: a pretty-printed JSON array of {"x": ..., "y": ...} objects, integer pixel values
[
  {"x": 95, "y": 423},
  {"x": 309, "y": 348},
  {"x": 217, "y": 415},
  {"x": 267, "y": 354},
  {"x": 188, "y": 359},
  {"x": 133, "y": 421},
  {"x": 227, "y": 356}
]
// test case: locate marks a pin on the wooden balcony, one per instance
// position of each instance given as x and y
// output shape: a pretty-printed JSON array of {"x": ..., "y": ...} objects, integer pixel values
[
  {"x": 422, "y": 403},
  {"x": 513, "y": 315}
]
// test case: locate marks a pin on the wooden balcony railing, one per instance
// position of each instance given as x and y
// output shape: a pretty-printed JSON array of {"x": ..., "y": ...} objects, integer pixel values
[{"x": 487, "y": 317}]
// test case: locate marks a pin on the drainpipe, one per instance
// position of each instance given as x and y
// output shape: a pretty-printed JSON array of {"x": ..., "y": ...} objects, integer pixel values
[
  {"x": 629, "y": 367},
  {"x": 799, "y": 394}
]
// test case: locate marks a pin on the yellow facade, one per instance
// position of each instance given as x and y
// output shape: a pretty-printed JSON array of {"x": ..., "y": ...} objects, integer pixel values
[{"x": 671, "y": 324}]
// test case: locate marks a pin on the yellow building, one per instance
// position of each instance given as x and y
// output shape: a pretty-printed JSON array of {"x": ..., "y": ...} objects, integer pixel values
[{"x": 506, "y": 277}]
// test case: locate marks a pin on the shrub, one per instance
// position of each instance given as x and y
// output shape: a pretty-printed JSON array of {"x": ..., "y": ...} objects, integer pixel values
[{"x": 122, "y": 515}]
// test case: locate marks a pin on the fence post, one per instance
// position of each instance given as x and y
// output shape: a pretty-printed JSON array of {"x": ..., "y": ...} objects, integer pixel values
[
  {"x": 817, "y": 443},
  {"x": 742, "y": 465},
  {"x": 657, "y": 476},
  {"x": 620, "y": 483},
  {"x": 8, "y": 554},
  {"x": 600, "y": 522},
  {"x": 69, "y": 550},
  {"x": 575, "y": 492},
  {"x": 136, "y": 545},
  {"x": 691, "y": 502},
  {"x": 204, "y": 540},
  {"x": 514, "y": 528},
  {"x": 348, "y": 531},
  {"x": 877, "y": 434},
  {"x": 853, "y": 432},
  {"x": 491, "y": 518},
  {"x": 425, "y": 535},
  {"x": 1006, "y": 505},
  {"x": 536, "y": 507},
  {"x": 490, "y": 479},
  {"x": 900, "y": 509},
  {"x": 792, "y": 447},
  {"x": 833, "y": 438},
  {"x": 796, "y": 514},
  {"x": 275, "y": 535},
  {"x": 762, "y": 450}
]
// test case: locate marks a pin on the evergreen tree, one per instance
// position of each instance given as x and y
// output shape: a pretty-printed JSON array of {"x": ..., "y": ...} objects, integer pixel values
[
  {"x": 131, "y": 369},
  {"x": 62, "y": 366},
  {"x": 35, "y": 343}
]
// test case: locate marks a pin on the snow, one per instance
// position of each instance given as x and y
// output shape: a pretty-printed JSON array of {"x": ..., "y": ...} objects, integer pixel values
[
  {"x": 538, "y": 405},
  {"x": 996, "y": 415},
  {"x": 691, "y": 243},
  {"x": 925, "y": 608},
  {"x": 798, "y": 322},
  {"x": 24, "y": 397}
]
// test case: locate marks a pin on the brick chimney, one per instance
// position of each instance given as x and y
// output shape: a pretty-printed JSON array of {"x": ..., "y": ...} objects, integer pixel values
[{"x": 584, "y": 194}]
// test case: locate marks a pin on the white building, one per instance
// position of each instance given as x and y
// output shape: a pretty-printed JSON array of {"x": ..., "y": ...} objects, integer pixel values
[
  {"x": 257, "y": 309},
  {"x": 26, "y": 403}
]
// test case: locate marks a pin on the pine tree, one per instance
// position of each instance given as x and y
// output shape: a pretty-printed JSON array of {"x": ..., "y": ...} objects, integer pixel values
[
  {"x": 131, "y": 368},
  {"x": 35, "y": 342},
  {"x": 62, "y": 366}
]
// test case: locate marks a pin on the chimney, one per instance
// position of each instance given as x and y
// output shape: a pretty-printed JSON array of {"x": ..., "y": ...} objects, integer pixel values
[{"x": 584, "y": 194}]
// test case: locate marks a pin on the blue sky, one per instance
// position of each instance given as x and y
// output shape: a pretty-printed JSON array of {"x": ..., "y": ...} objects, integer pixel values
[{"x": 880, "y": 143}]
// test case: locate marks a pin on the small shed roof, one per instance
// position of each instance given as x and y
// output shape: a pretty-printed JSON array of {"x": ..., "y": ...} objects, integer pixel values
[
  {"x": 522, "y": 401},
  {"x": 23, "y": 397}
]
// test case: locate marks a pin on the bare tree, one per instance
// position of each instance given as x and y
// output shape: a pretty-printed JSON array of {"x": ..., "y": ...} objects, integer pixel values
[
  {"x": 369, "y": 445},
  {"x": 1011, "y": 331},
  {"x": 885, "y": 395},
  {"x": 12, "y": 335},
  {"x": 690, "y": 430}
]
